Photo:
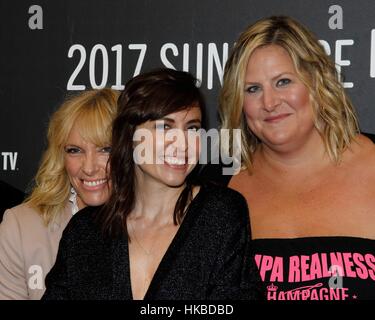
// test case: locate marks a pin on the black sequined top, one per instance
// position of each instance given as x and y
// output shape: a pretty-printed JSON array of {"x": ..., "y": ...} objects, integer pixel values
[{"x": 209, "y": 258}]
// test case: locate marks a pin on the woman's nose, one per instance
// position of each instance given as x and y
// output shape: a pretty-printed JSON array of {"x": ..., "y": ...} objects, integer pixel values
[
  {"x": 90, "y": 164},
  {"x": 178, "y": 142},
  {"x": 270, "y": 99}
]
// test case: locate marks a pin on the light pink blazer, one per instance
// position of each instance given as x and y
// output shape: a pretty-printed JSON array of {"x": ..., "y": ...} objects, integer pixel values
[{"x": 28, "y": 251}]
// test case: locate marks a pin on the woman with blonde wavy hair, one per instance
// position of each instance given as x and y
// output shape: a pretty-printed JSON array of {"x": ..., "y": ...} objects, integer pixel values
[
  {"x": 308, "y": 174},
  {"x": 71, "y": 176}
]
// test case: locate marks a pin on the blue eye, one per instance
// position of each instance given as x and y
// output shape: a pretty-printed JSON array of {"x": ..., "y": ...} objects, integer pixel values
[
  {"x": 252, "y": 89},
  {"x": 283, "y": 82}
]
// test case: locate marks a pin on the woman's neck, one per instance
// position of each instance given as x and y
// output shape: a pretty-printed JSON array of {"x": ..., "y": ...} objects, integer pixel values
[
  {"x": 155, "y": 201},
  {"x": 309, "y": 156}
]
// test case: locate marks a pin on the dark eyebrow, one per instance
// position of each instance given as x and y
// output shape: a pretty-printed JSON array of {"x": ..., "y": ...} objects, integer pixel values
[
  {"x": 167, "y": 119},
  {"x": 172, "y": 120},
  {"x": 194, "y": 121}
]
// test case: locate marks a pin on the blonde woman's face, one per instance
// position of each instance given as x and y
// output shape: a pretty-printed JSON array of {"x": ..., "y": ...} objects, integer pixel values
[
  {"x": 277, "y": 104},
  {"x": 85, "y": 164}
]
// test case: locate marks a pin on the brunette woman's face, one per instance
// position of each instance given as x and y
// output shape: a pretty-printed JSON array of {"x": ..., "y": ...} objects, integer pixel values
[
  {"x": 167, "y": 150},
  {"x": 85, "y": 164}
]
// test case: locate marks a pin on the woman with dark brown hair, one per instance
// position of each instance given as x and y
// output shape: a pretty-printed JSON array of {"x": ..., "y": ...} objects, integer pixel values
[{"x": 161, "y": 235}]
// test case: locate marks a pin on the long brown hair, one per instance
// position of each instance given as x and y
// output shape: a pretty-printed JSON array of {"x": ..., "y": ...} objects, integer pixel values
[{"x": 149, "y": 96}]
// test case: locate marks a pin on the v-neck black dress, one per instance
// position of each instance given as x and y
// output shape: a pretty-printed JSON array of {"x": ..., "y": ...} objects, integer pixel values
[{"x": 209, "y": 258}]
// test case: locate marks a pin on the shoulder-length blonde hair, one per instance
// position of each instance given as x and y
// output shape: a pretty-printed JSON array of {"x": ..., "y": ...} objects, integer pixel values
[
  {"x": 335, "y": 118},
  {"x": 93, "y": 111}
]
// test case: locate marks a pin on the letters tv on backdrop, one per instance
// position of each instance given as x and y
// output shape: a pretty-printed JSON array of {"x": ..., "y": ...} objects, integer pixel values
[{"x": 51, "y": 49}]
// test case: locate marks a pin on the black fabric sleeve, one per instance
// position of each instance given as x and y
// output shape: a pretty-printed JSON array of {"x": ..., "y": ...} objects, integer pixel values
[
  {"x": 58, "y": 280},
  {"x": 235, "y": 276}
]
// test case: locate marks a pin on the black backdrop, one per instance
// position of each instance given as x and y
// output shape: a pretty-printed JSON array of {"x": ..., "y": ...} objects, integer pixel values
[{"x": 51, "y": 48}]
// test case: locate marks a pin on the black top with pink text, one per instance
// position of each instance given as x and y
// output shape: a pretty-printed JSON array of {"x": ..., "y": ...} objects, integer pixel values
[{"x": 317, "y": 268}]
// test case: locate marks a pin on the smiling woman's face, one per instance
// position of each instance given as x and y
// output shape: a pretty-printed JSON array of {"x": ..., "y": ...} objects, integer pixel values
[
  {"x": 85, "y": 164},
  {"x": 277, "y": 104},
  {"x": 173, "y": 153}
]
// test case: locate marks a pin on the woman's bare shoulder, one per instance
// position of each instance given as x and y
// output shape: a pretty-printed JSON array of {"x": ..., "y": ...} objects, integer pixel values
[
  {"x": 366, "y": 148},
  {"x": 363, "y": 157},
  {"x": 239, "y": 179}
]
